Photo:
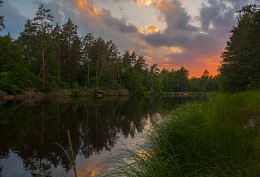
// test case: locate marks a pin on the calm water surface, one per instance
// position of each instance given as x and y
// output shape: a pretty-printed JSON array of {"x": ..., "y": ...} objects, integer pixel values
[{"x": 99, "y": 130}]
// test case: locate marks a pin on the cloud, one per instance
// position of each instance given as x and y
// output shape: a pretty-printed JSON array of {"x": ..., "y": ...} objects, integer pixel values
[
  {"x": 178, "y": 30},
  {"x": 99, "y": 22},
  {"x": 14, "y": 20},
  {"x": 120, "y": 25},
  {"x": 181, "y": 43},
  {"x": 203, "y": 44},
  {"x": 148, "y": 30}
]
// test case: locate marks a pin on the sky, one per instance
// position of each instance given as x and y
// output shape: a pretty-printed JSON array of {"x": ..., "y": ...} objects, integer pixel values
[{"x": 170, "y": 33}]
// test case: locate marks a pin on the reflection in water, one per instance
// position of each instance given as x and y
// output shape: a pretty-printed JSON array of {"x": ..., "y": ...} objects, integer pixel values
[{"x": 29, "y": 132}]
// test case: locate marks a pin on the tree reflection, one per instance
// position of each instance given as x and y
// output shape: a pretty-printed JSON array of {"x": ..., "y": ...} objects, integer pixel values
[{"x": 31, "y": 130}]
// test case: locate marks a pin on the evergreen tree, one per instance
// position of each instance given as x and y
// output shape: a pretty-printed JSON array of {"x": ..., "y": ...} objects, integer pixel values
[
  {"x": 154, "y": 72},
  {"x": 56, "y": 43},
  {"x": 43, "y": 27},
  {"x": 76, "y": 61},
  {"x": 68, "y": 36},
  {"x": 99, "y": 57},
  {"x": 165, "y": 79},
  {"x": 125, "y": 70},
  {"x": 240, "y": 67},
  {"x": 204, "y": 81},
  {"x": 86, "y": 50},
  {"x": 32, "y": 49},
  {"x": 112, "y": 66},
  {"x": 181, "y": 76},
  {"x": 195, "y": 84}
]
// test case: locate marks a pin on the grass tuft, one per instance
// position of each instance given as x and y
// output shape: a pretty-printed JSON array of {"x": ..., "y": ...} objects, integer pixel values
[
  {"x": 202, "y": 139},
  {"x": 70, "y": 154}
]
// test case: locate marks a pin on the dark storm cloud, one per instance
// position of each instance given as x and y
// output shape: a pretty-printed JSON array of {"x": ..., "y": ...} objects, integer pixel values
[
  {"x": 14, "y": 20},
  {"x": 178, "y": 31},
  {"x": 216, "y": 18},
  {"x": 175, "y": 15},
  {"x": 99, "y": 24},
  {"x": 209, "y": 13},
  {"x": 116, "y": 23},
  {"x": 200, "y": 43}
]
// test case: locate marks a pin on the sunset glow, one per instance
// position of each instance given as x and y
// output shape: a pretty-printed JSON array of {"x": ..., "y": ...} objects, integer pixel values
[
  {"x": 88, "y": 6},
  {"x": 188, "y": 33},
  {"x": 176, "y": 50},
  {"x": 144, "y": 2},
  {"x": 148, "y": 30}
]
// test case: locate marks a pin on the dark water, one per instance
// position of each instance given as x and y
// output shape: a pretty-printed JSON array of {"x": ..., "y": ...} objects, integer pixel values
[{"x": 98, "y": 128}]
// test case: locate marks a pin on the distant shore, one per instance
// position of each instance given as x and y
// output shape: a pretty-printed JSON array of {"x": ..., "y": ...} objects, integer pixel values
[{"x": 75, "y": 93}]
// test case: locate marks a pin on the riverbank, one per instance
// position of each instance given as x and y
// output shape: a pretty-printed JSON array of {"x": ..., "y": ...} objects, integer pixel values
[
  {"x": 218, "y": 138},
  {"x": 71, "y": 93},
  {"x": 61, "y": 93}
]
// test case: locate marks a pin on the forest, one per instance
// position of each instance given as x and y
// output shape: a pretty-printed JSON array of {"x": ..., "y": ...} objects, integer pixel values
[
  {"x": 55, "y": 56},
  {"x": 52, "y": 56},
  {"x": 183, "y": 136}
]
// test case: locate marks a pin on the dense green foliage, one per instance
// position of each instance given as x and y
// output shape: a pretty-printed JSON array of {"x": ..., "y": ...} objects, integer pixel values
[
  {"x": 63, "y": 59},
  {"x": 14, "y": 73},
  {"x": 241, "y": 59},
  {"x": 217, "y": 138}
]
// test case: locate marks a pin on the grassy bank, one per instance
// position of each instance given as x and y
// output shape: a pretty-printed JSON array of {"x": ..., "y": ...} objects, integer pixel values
[{"x": 217, "y": 138}]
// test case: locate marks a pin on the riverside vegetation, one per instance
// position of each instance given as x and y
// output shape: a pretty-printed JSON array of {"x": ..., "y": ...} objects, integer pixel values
[
  {"x": 52, "y": 57},
  {"x": 220, "y": 137},
  {"x": 215, "y": 138}
]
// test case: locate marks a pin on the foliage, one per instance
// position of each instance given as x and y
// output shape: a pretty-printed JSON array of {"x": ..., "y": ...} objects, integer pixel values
[
  {"x": 240, "y": 67},
  {"x": 42, "y": 26},
  {"x": 202, "y": 139},
  {"x": 64, "y": 59},
  {"x": 14, "y": 74}
]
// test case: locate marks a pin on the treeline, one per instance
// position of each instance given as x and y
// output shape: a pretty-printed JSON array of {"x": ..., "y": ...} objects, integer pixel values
[
  {"x": 56, "y": 56},
  {"x": 240, "y": 67}
]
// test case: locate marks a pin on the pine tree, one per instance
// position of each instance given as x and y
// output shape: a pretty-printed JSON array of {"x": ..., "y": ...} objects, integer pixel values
[
  {"x": 43, "y": 27},
  {"x": 29, "y": 40},
  {"x": 87, "y": 46},
  {"x": 240, "y": 67},
  {"x": 56, "y": 40},
  {"x": 68, "y": 36}
]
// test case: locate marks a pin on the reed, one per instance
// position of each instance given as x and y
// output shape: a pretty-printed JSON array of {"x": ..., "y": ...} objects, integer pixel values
[
  {"x": 70, "y": 154},
  {"x": 220, "y": 137}
]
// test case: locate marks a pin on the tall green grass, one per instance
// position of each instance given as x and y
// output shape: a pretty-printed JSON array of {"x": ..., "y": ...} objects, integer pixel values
[{"x": 216, "y": 138}]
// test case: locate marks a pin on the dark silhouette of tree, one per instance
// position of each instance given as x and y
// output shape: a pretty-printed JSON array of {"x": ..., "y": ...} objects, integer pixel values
[
  {"x": 1, "y": 17},
  {"x": 181, "y": 77},
  {"x": 240, "y": 67}
]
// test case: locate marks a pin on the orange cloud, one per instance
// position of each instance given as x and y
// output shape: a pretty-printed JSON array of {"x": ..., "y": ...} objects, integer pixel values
[
  {"x": 88, "y": 6},
  {"x": 162, "y": 5},
  {"x": 80, "y": 4},
  {"x": 148, "y": 30},
  {"x": 144, "y": 2},
  {"x": 175, "y": 50}
]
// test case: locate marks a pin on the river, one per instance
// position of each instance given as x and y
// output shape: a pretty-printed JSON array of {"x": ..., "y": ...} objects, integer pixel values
[{"x": 99, "y": 130}]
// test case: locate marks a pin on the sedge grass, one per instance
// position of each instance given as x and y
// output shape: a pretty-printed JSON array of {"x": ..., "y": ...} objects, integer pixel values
[
  {"x": 202, "y": 139},
  {"x": 70, "y": 154}
]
